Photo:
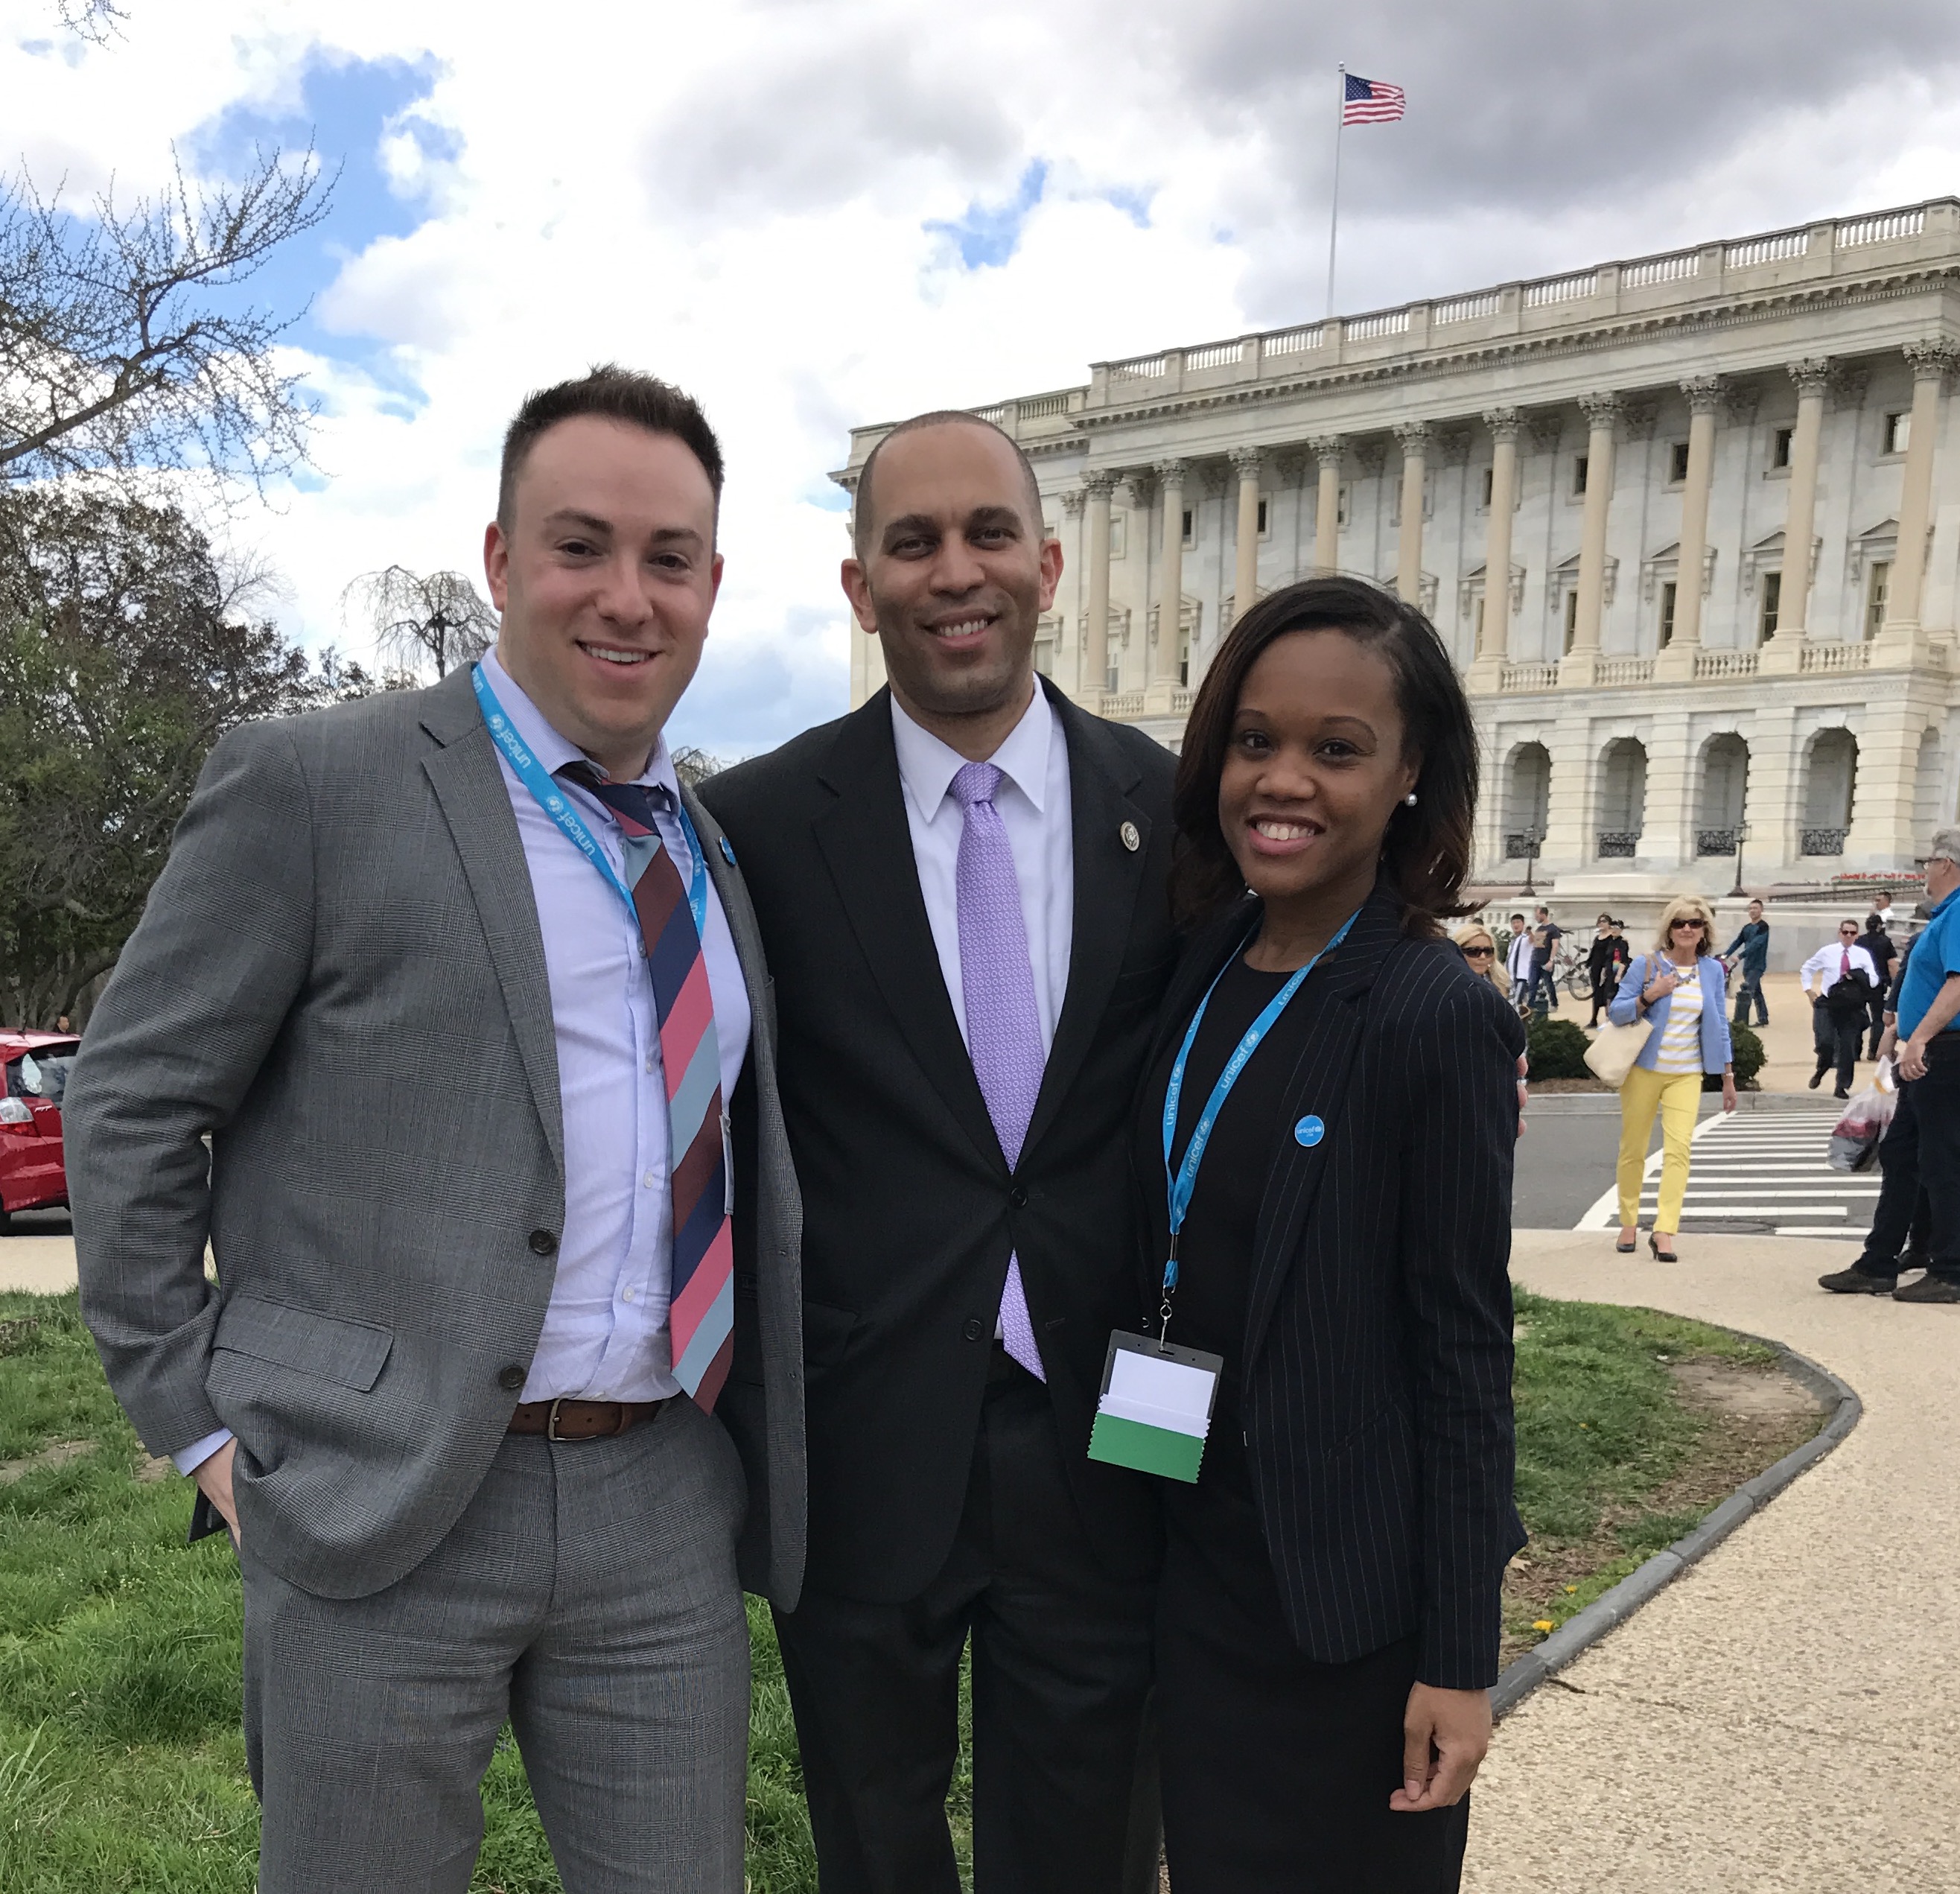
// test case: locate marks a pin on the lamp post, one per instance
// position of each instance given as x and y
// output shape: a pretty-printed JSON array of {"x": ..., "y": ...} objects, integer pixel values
[
  {"x": 1531, "y": 838},
  {"x": 1742, "y": 835}
]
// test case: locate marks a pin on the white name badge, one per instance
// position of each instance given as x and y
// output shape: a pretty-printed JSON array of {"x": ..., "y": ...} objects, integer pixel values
[{"x": 1155, "y": 1406}]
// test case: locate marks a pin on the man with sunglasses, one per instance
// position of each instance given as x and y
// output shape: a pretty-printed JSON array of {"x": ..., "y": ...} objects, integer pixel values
[{"x": 1840, "y": 979}]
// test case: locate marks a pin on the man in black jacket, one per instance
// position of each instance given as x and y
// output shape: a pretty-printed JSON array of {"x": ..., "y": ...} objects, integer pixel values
[{"x": 963, "y": 888}]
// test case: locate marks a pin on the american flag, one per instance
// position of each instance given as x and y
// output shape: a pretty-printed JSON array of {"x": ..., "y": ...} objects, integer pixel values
[{"x": 1371, "y": 102}]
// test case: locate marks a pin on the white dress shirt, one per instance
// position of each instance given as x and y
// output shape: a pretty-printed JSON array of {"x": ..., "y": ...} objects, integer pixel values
[
  {"x": 1827, "y": 966},
  {"x": 605, "y": 1335},
  {"x": 1035, "y": 809}
]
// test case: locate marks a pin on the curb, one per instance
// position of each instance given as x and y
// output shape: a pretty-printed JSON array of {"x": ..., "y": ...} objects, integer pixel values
[{"x": 1585, "y": 1629}]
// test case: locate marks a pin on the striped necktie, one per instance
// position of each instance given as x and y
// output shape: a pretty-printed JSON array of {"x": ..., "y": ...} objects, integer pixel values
[{"x": 701, "y": 1312}]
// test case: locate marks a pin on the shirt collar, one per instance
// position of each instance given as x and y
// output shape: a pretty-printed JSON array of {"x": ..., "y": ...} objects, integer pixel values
[
  {"x": 555, "y": 751},
  {"x": 927, "y": 766}
]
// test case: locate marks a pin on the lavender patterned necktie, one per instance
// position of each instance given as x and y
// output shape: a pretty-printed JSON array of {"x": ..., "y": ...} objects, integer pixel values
[{"x": 996, "y": 980}]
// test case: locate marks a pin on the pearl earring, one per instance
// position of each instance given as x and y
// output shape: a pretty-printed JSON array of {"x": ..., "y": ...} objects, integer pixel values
[{"x": 1409, "y": 800}]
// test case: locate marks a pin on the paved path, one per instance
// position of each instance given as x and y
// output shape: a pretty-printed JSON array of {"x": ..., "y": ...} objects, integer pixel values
[
  {"x": 1782, "y": 1719},
  {"x": 1760, "y": 1173},
  {"x": 45, "y": 1265}
]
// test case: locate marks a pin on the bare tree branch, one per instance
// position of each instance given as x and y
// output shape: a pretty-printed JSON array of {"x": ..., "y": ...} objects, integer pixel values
[
  {"x": 97, "y": 21},
  {"x": 123, "y": 348},
  {"x": 412, "y": 618}
]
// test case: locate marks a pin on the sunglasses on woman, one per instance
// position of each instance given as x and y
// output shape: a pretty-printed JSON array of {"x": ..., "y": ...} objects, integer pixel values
[{"x": 1478, "y": 954}]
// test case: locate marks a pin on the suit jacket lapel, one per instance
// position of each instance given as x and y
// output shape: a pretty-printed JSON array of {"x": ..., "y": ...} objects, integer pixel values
[
  {"x": 476, "y": 805},
  {"x": 1335, "y": 996},
  {"x": 867, "y": 844},
  {"x": 1108, "y": 875},
  {"x": 735, "y": 903}
]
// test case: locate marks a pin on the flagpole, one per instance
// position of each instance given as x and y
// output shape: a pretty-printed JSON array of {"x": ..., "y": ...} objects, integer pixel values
[{"x": 1333, "y": 210}]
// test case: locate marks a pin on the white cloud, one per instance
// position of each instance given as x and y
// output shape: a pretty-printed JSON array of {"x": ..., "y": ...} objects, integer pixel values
[{"x": 740, "y": 198}]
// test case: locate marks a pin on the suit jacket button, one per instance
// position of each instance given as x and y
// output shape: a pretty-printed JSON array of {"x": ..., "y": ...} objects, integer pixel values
[
  {"x": 973, "y": 1328},
  {"x": 510, "y": 1377},
  {"x": 1018, "y": 1197},
  {"x": 544, "y": 1243}
]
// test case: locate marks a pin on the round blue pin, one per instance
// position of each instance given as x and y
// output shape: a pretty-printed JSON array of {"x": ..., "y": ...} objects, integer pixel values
[
  {"x": 728, "y": 851},
  {"x": 1309, "y": 1131}
]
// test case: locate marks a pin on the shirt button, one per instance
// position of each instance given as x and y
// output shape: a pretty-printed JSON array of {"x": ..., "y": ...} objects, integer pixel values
[
  {"x": 972, "y": 1330},
  {"x": 510, "y": 1377},
  {"x": 648, "y": 1180},
  {"x": 650, "y": 1062},
  {"x": 1018, "y": 1198},
  {"x": 625, "y": 1295}
]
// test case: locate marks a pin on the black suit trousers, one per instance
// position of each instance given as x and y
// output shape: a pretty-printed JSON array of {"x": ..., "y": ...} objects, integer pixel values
[
  {"x": 1064, "y": 1788},
  {"x": 1277, "y": 1771}
]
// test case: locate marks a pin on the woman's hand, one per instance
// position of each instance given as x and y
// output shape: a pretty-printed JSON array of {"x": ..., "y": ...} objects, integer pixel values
[
  {"x": 1728, "y": 1088},
  {"x": 1660, "y": 987},
  {"x": 1446, "y": 1735}
]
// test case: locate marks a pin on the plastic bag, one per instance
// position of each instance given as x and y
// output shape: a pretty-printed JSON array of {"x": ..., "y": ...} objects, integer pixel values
[{"x": 1856, "y": 1137}]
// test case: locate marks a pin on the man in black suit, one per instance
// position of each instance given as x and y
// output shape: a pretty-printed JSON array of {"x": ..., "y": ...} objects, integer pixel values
[{"x": 962, "y": 887}]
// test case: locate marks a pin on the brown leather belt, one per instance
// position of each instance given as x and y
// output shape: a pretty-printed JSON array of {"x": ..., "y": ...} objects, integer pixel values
[{"x": 564, "y": 1420}]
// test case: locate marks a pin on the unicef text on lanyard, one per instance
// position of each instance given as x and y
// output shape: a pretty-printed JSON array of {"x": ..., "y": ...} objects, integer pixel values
[
  {"x": 1155, "y": 1410},
  {"x": 549, "y": 795}
]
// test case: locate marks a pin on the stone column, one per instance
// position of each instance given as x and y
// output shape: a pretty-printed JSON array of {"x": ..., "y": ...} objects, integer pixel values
[
  {"x": 1327, "y": 450},
  {"x": 1249, "y": 463},
  {"x": 1602, "y": 415},
  {"x": 1812, "y": 377},
  {"x": 1704, "y": 396},
  {"x": 1504, "y": 424},
  {"x": 1170, "y": 571},
  {"x": 1098, "y": 486},
  {"x": 1413, "y": 436},
  {"x": 1931, "y": 362}
]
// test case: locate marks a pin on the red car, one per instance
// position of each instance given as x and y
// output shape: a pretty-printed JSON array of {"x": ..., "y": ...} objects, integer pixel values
[{"x": 32, "y": 1175}]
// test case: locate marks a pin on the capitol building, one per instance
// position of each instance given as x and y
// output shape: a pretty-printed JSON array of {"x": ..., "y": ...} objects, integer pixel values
[{"x": 1689, "y": 524}]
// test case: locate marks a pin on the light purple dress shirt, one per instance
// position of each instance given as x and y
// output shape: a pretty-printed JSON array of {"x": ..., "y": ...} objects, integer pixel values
[{"x": 605, "y": 1335}]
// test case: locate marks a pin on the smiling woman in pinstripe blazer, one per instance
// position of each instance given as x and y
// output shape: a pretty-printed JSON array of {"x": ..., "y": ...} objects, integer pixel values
[{"x": 1328, "y": 1616}]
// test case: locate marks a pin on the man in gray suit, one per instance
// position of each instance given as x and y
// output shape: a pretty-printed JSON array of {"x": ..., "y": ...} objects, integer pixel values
[{"x": 459, "y": 984}]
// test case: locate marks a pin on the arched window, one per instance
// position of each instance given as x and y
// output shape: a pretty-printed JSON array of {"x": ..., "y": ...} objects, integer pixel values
[
  {"x": 1830, "y": 789},
  {"x": 1527, "y": 799},
  {"x": 1723, "y": 796},
  {"x": 1622, "y": 799}
]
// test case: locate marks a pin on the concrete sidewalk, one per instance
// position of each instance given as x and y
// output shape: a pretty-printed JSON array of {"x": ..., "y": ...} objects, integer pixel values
[
  {"x": 45, "y": 1265},
  {"x": 1782, "y": 1718}
]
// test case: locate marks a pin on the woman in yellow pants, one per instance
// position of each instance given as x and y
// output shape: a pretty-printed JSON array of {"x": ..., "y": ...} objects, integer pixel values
[{"x": 1677, "y": 990}]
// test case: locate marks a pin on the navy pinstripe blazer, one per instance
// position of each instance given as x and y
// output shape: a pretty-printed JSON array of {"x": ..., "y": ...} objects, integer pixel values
[{"x": 1377, "y": 1375}]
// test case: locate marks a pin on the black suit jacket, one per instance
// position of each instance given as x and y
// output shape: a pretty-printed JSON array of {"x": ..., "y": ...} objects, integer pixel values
[
  {"x": 910, "y": 1210},
  {"x": 1377, "y": 1361}
]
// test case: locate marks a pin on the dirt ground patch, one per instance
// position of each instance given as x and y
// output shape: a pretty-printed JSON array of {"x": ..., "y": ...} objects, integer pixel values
[
  {"x": 1750, "y": 1416},
  {"x": 55, "y": 1453}
]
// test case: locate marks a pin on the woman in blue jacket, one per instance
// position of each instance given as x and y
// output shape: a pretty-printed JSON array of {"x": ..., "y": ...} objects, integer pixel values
[{"x": 1677, "y": 990}]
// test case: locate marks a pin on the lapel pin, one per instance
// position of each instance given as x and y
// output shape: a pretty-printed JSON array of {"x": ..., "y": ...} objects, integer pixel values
[
  {"x": 1132, "y": 836},
  {"x": 728, "y": 851},
  {"x": 1309, "y": 1131}
]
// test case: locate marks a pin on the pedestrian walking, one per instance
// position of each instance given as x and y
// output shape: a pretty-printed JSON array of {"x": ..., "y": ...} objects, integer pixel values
[
  {"x": 1751, "y": 947},
  {"x": 1840, "y": 979},
  {"x": 1606, "y": 959},
  {"x": 1518, "y": 963},
  {"x": 1928, "y": 1156},
  {"x": 1479, "y": 950},
  {"x": 1678, "y": 989},
  {"x": 1877, "y": 944},
  {"x": 1546, "y": 934}
]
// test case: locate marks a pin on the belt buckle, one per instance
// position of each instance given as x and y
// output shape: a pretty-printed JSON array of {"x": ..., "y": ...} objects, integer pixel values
[{"x": 551, "y": 1419}]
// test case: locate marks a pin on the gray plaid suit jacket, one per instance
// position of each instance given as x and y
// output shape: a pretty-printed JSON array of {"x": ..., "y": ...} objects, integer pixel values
[{"x": 340, "y": 980}]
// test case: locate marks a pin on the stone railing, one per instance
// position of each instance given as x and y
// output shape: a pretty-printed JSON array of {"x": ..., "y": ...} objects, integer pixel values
[
  {"x": 1182, "y": 699},
  {"x": 1517, "y": 677},
  {"x": 1766, "y": 249},
  {"x": 1291, "y": 341},
  {"x": 1661, "y": 269},
  {"x": 1562, "y": 289},
  {"x": 1885, "y": 228},
  {"x": 1120, "y": 703},
  {"x": 1389, "y": 322},
  {"x": 1623, "y": 670},
  {"x": 1727, "y": 663},
  {"x": 1468, "y": 308},
  {"x": 1220, "y": 354},
  {"x": 1835, "y": 658}
]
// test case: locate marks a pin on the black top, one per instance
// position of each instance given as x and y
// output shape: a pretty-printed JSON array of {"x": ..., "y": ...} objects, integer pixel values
[
  {"x": 910, "y": 1210},
  {"x": 1607, "y": 952},
  {"x": 1216, "y": 1246}
]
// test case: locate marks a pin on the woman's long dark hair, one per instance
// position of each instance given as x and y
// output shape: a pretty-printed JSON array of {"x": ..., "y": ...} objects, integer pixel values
[{"x": 1425, "y": 851}]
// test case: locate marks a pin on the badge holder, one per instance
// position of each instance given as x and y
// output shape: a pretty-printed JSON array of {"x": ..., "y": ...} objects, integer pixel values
[{"x": 1156, "y": 1407}]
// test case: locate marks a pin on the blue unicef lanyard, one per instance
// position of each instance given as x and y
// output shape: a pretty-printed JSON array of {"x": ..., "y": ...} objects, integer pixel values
[
  {"x": 550, "y": 796},
  {"x": 1181, "y": 1183}
]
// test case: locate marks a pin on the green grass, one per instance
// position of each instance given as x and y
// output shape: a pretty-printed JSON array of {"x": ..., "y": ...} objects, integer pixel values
[{"x": 121, "y": 1764}]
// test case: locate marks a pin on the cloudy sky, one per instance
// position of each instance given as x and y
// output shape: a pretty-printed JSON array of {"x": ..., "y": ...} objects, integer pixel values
[{"x": 815, "y": 212}]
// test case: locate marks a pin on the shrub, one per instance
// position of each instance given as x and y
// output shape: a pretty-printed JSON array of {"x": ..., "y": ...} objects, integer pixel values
[
  {"x": 1746, "y": 1054},
  {"x": 1558, "y": 1049}
]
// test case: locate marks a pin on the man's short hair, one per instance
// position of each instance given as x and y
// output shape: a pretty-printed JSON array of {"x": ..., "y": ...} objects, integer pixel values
[
  {"x": 1945, "y": 845},
  {"x": 613, "y": 394},
  {"x": 861, "y": 514},
  {"x": 1517, "y": 917}
]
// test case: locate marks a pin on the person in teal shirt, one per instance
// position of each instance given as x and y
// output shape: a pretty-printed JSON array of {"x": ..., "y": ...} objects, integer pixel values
[{"x": 1754, "y": 943}]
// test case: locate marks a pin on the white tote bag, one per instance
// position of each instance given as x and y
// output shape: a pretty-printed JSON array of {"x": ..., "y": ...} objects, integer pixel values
[{"x": 1611, "y": 1055}]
